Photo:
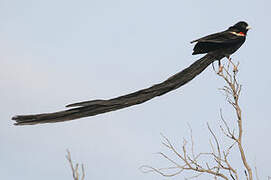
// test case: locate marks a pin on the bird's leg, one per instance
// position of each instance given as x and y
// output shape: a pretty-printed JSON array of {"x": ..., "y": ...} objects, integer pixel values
[
  {"x": 220, "y": 67},
  {"x": 213, "y": 66}
]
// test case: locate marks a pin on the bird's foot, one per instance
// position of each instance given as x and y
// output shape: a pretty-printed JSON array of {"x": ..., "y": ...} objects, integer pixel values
[
  {"x": 235, "y": 67},
  {"x": 220, "y": 69}
]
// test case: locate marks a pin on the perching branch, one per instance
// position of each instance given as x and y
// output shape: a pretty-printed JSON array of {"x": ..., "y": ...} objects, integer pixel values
[
  {"x": 216, "y": 162},
  {"x": 233, "y": 89}
]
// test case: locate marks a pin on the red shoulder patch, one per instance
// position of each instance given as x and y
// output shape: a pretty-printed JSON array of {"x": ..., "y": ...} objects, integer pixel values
[{"x": 242, "y": 34}]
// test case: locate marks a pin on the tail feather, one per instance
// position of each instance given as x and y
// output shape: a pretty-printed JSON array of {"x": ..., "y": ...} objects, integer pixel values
[{"x": 95, "y": 107}]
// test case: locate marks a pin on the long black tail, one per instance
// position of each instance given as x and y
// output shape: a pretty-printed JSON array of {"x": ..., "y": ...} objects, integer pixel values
[{"x": 92, "y": 108}]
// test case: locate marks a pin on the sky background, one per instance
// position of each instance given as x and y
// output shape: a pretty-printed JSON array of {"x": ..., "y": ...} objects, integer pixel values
[{"x": 57, "y": 52}]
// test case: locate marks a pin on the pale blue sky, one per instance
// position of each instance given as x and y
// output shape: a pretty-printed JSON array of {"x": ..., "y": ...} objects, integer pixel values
[{"x": 57, "y": 52}]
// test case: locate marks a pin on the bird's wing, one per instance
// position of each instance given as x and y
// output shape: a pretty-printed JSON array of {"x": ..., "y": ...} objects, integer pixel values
[{"x": 225, "y": 37}]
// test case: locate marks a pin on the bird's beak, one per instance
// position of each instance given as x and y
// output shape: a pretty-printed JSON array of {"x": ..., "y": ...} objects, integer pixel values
[{"x": 248, "y": 27}]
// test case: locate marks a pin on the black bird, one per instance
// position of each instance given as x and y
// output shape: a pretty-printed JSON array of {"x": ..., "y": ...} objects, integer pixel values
[
  {"x": 224, "y": 43},
  {"x": 216, "y": 46}
]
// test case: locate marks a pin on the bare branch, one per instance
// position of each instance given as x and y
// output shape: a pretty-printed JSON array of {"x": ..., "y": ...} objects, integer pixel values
[
  {"x": 189, "y": 162},
  {"x": 217, "y": 143},
  {"x": 217, "y": 162},
  {"x": 75, "y": 170},
  {"x": 235, "y": 93}
]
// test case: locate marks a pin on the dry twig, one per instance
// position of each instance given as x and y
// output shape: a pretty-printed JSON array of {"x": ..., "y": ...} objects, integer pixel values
[{"x": 75, "y": 169}]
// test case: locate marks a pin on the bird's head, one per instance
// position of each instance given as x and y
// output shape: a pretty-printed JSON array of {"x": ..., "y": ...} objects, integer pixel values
[{"x": 240, "y": 27}]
